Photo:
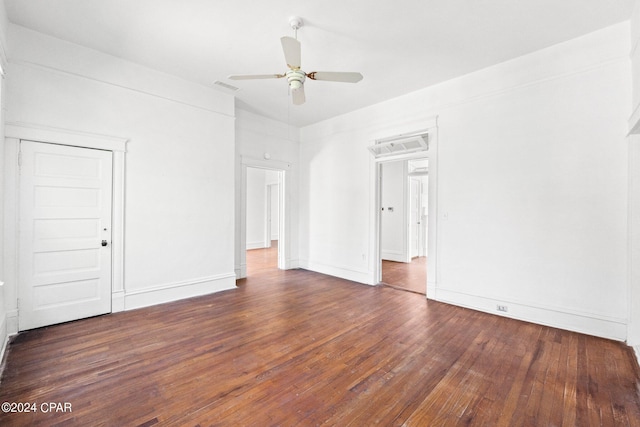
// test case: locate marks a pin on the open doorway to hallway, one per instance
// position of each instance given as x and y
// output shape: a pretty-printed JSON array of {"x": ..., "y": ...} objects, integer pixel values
[
  {"x": 262, "y": 219},
  {"x": 403, "y": 224}
]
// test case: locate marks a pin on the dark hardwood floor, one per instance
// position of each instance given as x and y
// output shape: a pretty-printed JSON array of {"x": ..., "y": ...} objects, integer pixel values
[{"x": 297, "y": 348}]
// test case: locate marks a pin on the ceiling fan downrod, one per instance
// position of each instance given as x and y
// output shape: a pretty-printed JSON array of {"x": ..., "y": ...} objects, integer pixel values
[{"x": 295, "y": 22}]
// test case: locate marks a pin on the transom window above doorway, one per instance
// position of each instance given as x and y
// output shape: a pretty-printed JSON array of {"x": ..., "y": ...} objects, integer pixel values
[{"x": 402, "y": 144}]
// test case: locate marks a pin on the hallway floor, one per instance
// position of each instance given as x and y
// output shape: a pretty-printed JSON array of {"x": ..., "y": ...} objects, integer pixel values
[{"x": 406, "y": 276}]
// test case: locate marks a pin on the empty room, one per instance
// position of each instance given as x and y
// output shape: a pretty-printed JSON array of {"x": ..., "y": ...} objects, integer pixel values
[{"x": 297, "y": 213}]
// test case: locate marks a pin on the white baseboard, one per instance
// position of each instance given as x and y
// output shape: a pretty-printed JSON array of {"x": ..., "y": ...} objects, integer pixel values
[
  {"x": 291, "y": 264},
  {"x": 4, "y": 335},
  {"x": 343, "y": 272},
  {"x": 4, "y": 341},
  {"x": 562, "y": 318},
  {"x": 256, "y": 245},
  {"x": 241, "y": 271},
  {"x": 12, "y": 322},
  {"x": 8, "y": 328},
  {"x": 431, "y": 290},
  {"x": 393, "y": 256},
  {"x": 117, "y": 301},
  {"x": 176, "y": 291}
]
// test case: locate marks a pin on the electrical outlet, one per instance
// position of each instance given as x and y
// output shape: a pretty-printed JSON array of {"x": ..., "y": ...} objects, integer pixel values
[{"x": 502, "y": 308}]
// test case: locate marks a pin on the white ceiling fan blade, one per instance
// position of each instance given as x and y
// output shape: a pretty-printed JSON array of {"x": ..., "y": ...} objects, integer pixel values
[
  {"x": 335, "y": 76},
  {"x": 291, "y": 49},
  {"x": 298, "y": 96},
  {"x": 255, "y": 76}
]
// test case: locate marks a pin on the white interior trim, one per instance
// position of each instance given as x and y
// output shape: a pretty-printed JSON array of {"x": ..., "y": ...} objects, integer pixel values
[
  {"x": 53, "y": 135},
  {"x": 5, "y": 337},
  {"x": 375, "y": 246},
  {"x": 346, "y": 272},
  {"x": 634, "y": 122},
  {"x": 266, "y": 164},
  {"x": 269, "y": 187},
  {"x": 402, "y": 144},
  {"x": 202, "y": 104},
  {"x": 138, "y": 298},
  {"x": 633, "y": 242},
  {"x": 557, "y": 317},
  {"x": 14, "y": 132}
]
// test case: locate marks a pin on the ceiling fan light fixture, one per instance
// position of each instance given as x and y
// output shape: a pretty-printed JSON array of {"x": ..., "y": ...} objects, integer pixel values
[{"x": 295, "y": 78}]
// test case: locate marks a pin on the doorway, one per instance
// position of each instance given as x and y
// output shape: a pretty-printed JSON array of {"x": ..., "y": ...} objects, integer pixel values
[
  {"x": 263, "y": 219},
  {"x": 403, "y": 186},
  {"x": 14, "y": 162}
]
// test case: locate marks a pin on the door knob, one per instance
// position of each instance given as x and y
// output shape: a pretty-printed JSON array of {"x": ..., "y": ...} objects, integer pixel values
[{"x": 104, "y": 243}]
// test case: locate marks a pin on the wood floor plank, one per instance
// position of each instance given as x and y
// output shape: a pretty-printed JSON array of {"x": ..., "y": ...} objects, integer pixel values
[{"x": 297, "y": 348}]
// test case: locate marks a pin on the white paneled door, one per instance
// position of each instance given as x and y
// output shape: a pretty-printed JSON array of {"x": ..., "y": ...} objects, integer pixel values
[{"x": 65, "y": 233}]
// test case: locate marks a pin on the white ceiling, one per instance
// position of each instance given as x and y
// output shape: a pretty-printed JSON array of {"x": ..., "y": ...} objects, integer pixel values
[{"x": 399, "y": 46}]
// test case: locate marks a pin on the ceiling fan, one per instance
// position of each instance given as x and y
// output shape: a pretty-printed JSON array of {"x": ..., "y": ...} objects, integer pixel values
[{"x": 295, "y": 76}]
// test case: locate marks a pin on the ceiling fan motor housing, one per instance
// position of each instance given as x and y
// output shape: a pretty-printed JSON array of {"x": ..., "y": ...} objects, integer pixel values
[{"x": 295, "y": 78}]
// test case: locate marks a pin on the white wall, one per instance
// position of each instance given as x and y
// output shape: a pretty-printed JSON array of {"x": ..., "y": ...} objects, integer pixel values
[
  {"x": 531, "y": 185},
  {"x": 634, "y": 185},
  {"x": 4, "y": 24},
  {"x": 635, "y": 66},
  {"x": 179, "y": 207},
  {"x": 393, "y": 234},
  {"x": 634, "y": 243},
  {"x": 255, "y": 137},
  {"x": 256, "y": 208}
]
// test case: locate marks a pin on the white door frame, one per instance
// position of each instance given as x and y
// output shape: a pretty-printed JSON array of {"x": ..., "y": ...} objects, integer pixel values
[
  {"x": 14, "y": 132},
  {"x": 432, "y": 247},
  {"x": 267, "y": 216},
  {"x": 422, "y": 229},
  {"x": 283, "y": 208},
  {"x": 415, "y": 226},
  {"x": 269, "y": 194}
]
